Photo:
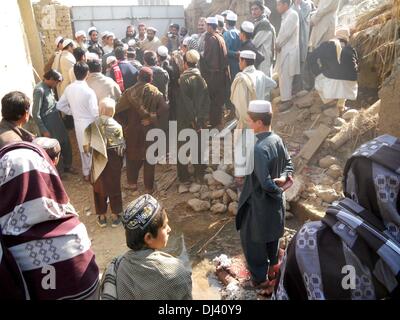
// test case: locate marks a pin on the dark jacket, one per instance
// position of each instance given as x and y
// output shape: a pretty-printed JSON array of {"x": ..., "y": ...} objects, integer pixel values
[
  {"x": 194, "y": 101},
  {"x": 261, "y": 199},
  {"x": 129, "y": 74},
  {"x": 324, "y": 60},
  {"x": 249, "y": 45}
]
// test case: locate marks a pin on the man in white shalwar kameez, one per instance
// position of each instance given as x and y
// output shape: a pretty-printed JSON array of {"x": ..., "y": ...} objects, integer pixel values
[
  {"x": 287, "y": 46},
  {"x": 80, "y": 101},
  {"x": 249, "y": 84},
  {"x": 264, "y": 36},
  {"x": 323, "y": 22}
]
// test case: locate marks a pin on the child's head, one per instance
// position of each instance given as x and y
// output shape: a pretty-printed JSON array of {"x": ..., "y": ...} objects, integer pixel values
[
  {"x": 259, "y": 115},
  {"x": 146, "y": 224},
  {"x": 107, "y": 107},
  {"x": 51, "y": 146}
]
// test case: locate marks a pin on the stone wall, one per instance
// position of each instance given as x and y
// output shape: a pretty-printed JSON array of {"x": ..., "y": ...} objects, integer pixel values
[{"x": 52, "y": 20}]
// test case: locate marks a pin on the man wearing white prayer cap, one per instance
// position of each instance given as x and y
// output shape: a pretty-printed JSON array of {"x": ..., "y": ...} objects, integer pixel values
[
  {"x": 232, "y": 40},
  {"x": 65, "y": 65},
  {"x": 54, "y": 60},
  {"x": 261, "y": 213},
  {"x": 246, "y": 36},
  {"x": 80, "y": 39},
  {"x": 215, "y": 70},
  {"x": 263, "y": 35},
  {"x": 162, "y": 51},
  {"x": 93, "y": 43},
  {"x": 152, "y": 42},
  {"x": 221, "y": 24},
  {"x": 109, "y": 42},
  {"x": 249, "y": 84}
]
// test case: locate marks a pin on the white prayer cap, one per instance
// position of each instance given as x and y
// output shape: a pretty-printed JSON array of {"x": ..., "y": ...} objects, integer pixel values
[
  {"x": 111, "y": 59},
  {"x": 162, "y": 51},
  {"x": 192, "y": 56},
  {"x": 220, "y": 18},
  {"x": 132, "y": 42},
  {"x": 58, "y": 39},
  {"x": 260, "y": 106},
  {"x": 212, "y": 20},
  {"x": 80, "y": 33},
  {"x": 91, "y": 29},
  {"x": 110, "y": 34},
  {"x": 232, "y": 16},
  {"x": 91, "y": 56},
  {"x": 67, "y": 42},
  {"x": 152, "y": 29},
  {"x": 105, "y": 34},
  {"x": 225, "y": 13},
  {"x": 247, "y": 54},
  {"x": 185, "y": 41},
  {"x": 248, "y": 27},
  {"x": 126, "y": 46}
]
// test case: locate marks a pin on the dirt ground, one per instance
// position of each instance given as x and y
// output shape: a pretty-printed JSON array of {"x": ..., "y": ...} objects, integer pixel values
[{"x": 196, "y": 229}]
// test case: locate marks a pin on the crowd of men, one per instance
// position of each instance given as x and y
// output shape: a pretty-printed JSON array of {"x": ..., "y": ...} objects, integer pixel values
[{"x": 113, "y": 92}]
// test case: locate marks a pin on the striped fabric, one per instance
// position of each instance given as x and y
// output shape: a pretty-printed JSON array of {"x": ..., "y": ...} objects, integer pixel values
[
  {"x": 354, "y": 252},
  {"x": 41, "y": 228}
]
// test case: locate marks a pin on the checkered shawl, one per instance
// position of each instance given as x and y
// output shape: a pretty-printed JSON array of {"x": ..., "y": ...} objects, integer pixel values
[
  {"x": 146, "y": 275},
  {"x": 40, "y": 228},
  {"x": 360, "y": 233}
]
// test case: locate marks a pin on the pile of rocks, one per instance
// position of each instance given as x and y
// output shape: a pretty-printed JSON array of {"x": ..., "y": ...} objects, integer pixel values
[{"x": 217, "y": 195}]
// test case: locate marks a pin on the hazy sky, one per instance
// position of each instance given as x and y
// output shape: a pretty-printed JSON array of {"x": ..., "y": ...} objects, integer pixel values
[{"x": 108, "y": 2}]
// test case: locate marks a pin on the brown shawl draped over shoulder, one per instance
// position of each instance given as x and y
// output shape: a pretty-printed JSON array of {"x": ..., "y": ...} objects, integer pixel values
[{"x": 140, "y": 102}]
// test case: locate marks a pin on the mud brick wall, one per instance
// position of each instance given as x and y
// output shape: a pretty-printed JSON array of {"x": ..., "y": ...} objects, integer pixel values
[{"x": 52, "y": 20}]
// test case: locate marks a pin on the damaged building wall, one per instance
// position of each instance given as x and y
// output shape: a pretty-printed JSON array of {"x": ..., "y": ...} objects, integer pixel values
[
  {"x": 52, "y": 20},
  {"x": 389, "y": 116}
]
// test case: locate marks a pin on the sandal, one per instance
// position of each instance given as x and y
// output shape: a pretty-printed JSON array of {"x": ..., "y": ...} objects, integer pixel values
[{"x": 102, "y": 222}]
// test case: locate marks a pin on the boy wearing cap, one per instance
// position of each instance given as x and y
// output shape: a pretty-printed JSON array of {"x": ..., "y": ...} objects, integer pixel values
[
  {"x": 145, "y": 272},
  {"x": 51, "y": 146},
  {"x": 47, "y": 117},
  {"x": 246, "y": 36},
  {"x": 232, "y": 40},
  {"x": 260, "y": 217}
]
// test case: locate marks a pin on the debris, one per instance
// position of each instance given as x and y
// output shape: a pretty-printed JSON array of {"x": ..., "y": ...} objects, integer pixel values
[
  {"x": 327, "y": 195},
  {"x": 311, "y": 147},
  {"x": 183, "y": 189},
  {"x": 305, "y": 101},
  {"x": 217, "y": 194},
  {"x": 331, "y": 112},
  {"x": 350, "y": 114},
  {"x": 289, "y": 215},
  {"x": 326, "y": 162},
  {"x": 218, "y": 208},
  {"x": 205, "y": 195},
  {"x": 339, "y": 122},
  {"x": 334, "y": 171},
  {"x": 233, "y": 208},
  {"x": 199, "y": 205},
  {"x": 232, "y": 194},
  {"x": 223, "y": 177},
  {"x": 213, "y": 237},
  {"x": 363, "y": 122},
  {"x": 225, "y": 199},
  {"x": 295, "y": 190},
  {"x": 194, "y": 188}
]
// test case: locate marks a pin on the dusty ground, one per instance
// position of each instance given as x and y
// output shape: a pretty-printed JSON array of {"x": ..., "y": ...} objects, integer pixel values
[{"x": 195, "y": 228}]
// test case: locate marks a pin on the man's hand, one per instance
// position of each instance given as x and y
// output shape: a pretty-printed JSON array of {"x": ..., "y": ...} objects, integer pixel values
[
  {"x": 146, "y": 122},
  {"x": 280, "y": 182},
  {"x": 46, "y": 134}
]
